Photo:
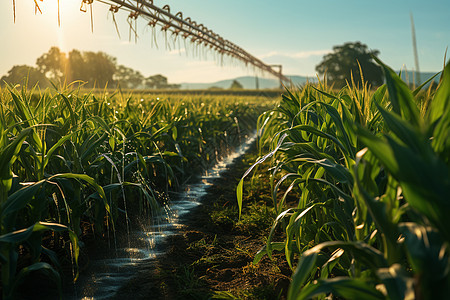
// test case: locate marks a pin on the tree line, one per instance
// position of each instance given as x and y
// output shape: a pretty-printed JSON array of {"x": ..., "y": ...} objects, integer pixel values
[
  {"x": 98, "y": 69},
  {"x": 91, "y": 69}
]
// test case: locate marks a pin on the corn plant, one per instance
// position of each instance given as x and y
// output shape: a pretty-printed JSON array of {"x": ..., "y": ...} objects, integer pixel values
[
  {"x": 72, "y": 160},
  {"x": 371, "y": 172}
]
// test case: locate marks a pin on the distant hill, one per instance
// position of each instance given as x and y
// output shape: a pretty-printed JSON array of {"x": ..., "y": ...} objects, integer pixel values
[{"x": 249, "y": 82}]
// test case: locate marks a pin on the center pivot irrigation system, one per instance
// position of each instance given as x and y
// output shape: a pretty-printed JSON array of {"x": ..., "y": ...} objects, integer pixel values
[
  {"x": 187, "y": 29},
  {"x": 182, "y": 27}
]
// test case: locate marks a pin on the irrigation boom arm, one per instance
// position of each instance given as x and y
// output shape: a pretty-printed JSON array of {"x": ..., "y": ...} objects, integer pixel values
[{"x": 186, "y": 28}]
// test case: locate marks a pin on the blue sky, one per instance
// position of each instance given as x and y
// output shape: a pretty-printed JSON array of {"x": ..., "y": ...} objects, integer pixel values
[{"x": 294, "y": 33}]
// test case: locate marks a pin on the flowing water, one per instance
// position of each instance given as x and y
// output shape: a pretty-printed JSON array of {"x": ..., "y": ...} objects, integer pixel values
[{"x": 143, "y": 246}]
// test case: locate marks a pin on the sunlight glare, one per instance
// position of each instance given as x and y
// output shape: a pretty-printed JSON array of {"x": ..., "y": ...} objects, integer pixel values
[
  {"x": 60, "y": 12},
  {"x": 64, "y": 7}
]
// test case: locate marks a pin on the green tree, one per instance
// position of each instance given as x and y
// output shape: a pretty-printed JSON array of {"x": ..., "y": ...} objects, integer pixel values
[
  {"x": 52, "y": 64},
  {"x": 95, "y": 68},
  {"x": 128, "y": 78},
  {"x": 76, "y": 66},
  {"x": 156, "y": 82},
  {"x": 25, "y": 75},
  {"x": 236, "y": 85},
  {"x": 343, "y": 61},
  {"x": 99, "y": 68}
]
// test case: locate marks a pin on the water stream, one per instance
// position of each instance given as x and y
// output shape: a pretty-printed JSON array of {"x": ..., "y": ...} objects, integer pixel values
[{"x": 144, "y": 246}]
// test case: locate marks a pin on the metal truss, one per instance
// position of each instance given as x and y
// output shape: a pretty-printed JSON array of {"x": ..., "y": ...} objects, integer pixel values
[{"x": 185, "y": 28}]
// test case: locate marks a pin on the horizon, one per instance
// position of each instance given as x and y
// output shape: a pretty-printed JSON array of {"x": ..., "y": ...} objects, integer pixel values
[{"x": 387, "y": 31}]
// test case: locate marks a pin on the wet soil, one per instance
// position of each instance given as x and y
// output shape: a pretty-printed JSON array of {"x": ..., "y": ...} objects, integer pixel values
[{"x": 212, "y": 254}]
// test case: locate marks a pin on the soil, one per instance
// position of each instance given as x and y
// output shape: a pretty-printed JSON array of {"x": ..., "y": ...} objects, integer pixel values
[{"x": 212, "y": 255}]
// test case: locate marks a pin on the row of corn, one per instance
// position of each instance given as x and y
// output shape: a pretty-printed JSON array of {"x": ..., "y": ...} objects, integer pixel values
[
  {"x": 73, "y": 163},
  {"x": 361, "y": 185}
]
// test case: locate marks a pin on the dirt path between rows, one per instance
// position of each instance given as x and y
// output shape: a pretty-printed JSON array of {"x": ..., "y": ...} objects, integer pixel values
[{"x": 212, "y": 255}]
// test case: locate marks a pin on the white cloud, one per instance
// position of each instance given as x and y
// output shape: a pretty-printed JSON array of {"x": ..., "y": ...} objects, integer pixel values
[
  {"x": 301, "y": 54},
  {"x": 269, "y": 54}
]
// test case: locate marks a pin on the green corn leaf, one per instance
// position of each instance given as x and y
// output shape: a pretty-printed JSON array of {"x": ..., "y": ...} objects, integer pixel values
[
  {"x": 348, "y": 121},
  {"x": 294, "y": 183},
  {"x": 325, "y": 93},
  {"x": 58, "y": 144},
  {"x": 20, "y": 198},
  {"x": 405, "y": 132},
  {"x": 112, "y": 143},
  {"x": 440, "y": 104},
  {"x": 240, "y": 186},
  {"x": 89, "y": 180},
  {"x": 401, "y": 97},
  {"x": 330, "y": 263},
  {"x": 379, "y": 214},
  {"x": 424, "y": 178},
  {"x": 277, "y": 246},
  {"x": 293, "y": 228},
  {"x": 19, "y": 236},
  {"x": 376, "y": 101},
  {"x": 93, "y": 146},
  {"x": 320, "y": 133},
  {"x": 439, "y": 116},
  {"x": 294, "y": 176},
  {"x": 378, "y": 96},
  {"x": 347, "y": 288},
  {"x": 365, "y": 253},
  {"x": 337, "y": 190},
  {"x": 341, "y": 130},
  {"x": 73, "y": 117},
  {"x": 276, "y": 223},
  {"x": 429, "y": 257},
  {"x": 399, "y": 285},
  {"x": 160, "y": 160},
  {"x": 380, "y": 148},
  {"x": 292, "y": 149},
  {"x": 417, "y": 90},
  {"x": 337, "y": 171},
  {"x": 9, "y": 154},
  {"x": 23, "y": 110},
  {"x": 305, "y": 266}
]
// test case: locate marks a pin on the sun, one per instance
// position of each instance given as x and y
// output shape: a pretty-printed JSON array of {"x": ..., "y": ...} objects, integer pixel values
[{"x": 60, "y": 9}]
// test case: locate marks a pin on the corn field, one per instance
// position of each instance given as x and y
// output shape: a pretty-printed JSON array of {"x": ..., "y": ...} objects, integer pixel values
[
  {"x": 360, "y": 181},
  {"x": 360, "y": 178},
  {"x": 75, "y": 163}
]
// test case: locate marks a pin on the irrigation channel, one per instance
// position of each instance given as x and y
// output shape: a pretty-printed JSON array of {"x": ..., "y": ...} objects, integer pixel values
[{"x": 107, "y": 274}]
